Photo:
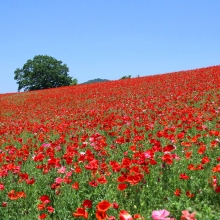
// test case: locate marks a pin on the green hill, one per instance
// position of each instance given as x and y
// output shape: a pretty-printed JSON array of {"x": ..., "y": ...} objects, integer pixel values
[{"x": 95, "y": 81}]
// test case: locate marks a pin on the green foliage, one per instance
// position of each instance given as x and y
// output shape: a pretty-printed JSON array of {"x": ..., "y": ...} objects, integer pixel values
[
  {"x": 126, "y": 77},
  {"x": 74, "y": 82},
  {"x": 42, "y": 72},
  {"x": 95, "y": 81}
]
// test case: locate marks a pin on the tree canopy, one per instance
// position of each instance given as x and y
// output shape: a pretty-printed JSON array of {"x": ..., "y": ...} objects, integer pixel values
[
  {"x": 41, "y": 73},
  {"x": 95, "y": 81},
  {"x": 126, "y": 77}
]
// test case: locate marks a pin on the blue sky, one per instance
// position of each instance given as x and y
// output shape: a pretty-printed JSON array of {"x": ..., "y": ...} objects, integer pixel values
[{"x": 109, "y": 38}]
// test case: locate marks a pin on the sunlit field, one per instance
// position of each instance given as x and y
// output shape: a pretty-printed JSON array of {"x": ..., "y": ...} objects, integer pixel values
[{"x": 140, "y": 148}]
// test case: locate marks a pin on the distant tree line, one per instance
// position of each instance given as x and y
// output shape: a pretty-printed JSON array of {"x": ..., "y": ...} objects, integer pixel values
[
  {"x": 95, "y": 81},
  {"x": 126, "y": 77}
]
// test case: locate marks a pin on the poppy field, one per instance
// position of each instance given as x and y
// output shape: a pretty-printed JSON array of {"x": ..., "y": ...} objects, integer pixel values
[{"x": 141, "y": 148}]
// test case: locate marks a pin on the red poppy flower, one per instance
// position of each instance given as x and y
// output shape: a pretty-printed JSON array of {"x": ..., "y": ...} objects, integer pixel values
[
  {"x": 214, "y": 181},
  {"x": 181, "y": 135},
  {"x": 202, "y": 149},
  {"x": 50, "y": 209},
  {"x": 15, "y": 195},
  {"x": 115, "y": 205},
  {"x": 41, "y": 206},
  {"x": 216, "y": 168},
  {"x": 191, "y": 167},
  {"x": 217, "y": 189},
  {"x": 101, "y": 215},
  {"x": 43, "y": 216},
  {"x": 4, "y": 204},
  {"x": 87, "y": 203},
  {"x": 205, "y": 160},
  {"x": 75, "y": 186},
  {"x": 188, "y": 155},
  {"x": 177, "y": 192},
  {"x": 77, "y": 170},
  {"x": 12, "y": 195},
  {"x": 93, "y": 183},
  {"x": 116, "y": 167},
  {"x": 2, "y": 186},
  {"x": 102, "y": 180},
  {"x": 45, "y": 199},
  {"x": 169, "y": 148},
  {"x": 103, "y": 206},
  {"x": 167, "y": 158},
  {"x": 138, "y": 216},
  {"x": 183, "y": 176},
  {"x": 199, "y": 167},
  {"x": 30, "y": 181},
  {"x": 121, "y": 179},
  {"x": 122, "y": 186},
  {"x": 21, "y": 194},
  {"x": 124, "y": 215},
  {"x": 81, "y": 212},
  {"x": 126, "y": 162},
  {"x": 134, "y": 179},
  {"x": 189, "y": 194}
]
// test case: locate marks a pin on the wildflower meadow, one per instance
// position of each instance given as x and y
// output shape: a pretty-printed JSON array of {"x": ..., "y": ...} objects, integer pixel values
[{"x": 141, "y": 148}]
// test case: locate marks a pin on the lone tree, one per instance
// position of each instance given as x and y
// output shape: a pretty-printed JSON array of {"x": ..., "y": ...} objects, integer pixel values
[{"x": 41, "y": 73}]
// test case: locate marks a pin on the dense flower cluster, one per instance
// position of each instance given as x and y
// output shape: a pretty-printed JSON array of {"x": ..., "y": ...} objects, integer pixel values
[{"x": 123, "y": 149}]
